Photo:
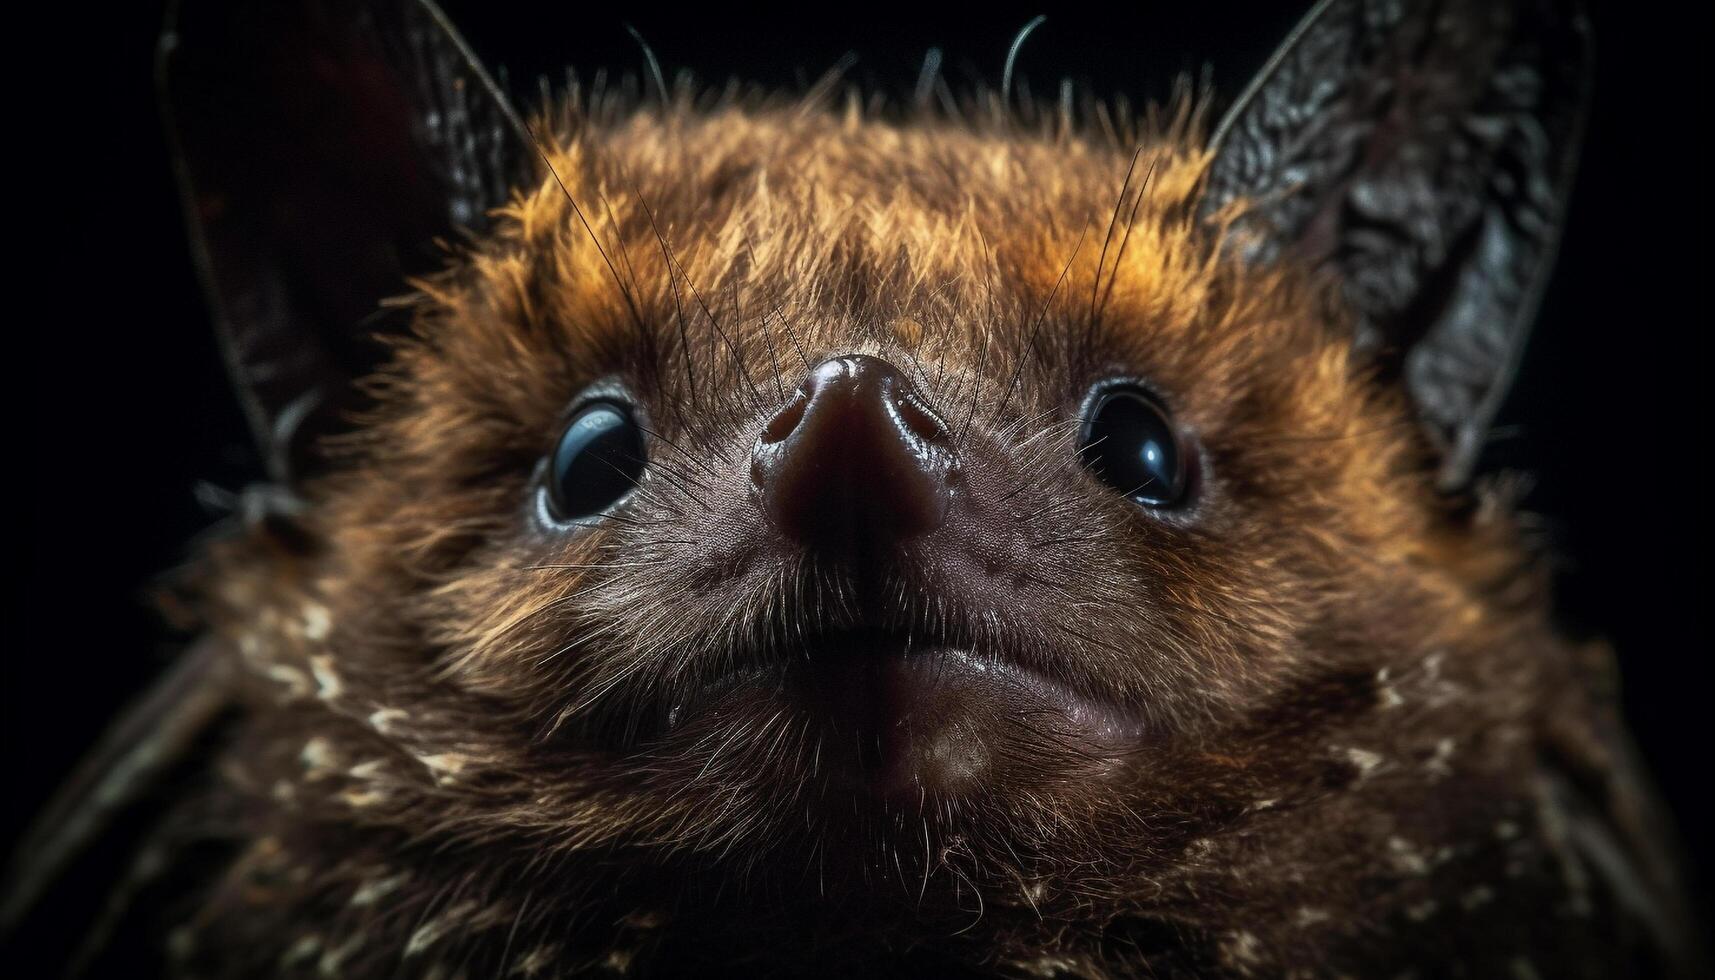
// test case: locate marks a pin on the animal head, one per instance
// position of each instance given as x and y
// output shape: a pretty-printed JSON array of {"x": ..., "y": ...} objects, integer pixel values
[{"x": 919, "y": 509}]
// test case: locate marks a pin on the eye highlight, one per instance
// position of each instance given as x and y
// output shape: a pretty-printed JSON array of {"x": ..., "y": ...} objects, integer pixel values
[
  {"x": 598, "y": 461},
  {"x": 1131, "y": 445}
]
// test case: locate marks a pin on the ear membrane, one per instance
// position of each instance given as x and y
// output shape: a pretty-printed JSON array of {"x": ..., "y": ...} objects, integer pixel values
[
  {"x": 322, "y": 147},
  {"x": 1421, "y": 152}
]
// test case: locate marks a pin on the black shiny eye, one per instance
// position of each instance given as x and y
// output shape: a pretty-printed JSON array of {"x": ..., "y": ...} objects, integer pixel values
[
  {"x": 1129, "y": 443},
  {"x": 599, "y": 460}
]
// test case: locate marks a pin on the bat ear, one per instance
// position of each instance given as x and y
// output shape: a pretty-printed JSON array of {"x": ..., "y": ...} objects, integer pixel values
[
  {"x": 322, "y": 146},
  {"x": 1422, "y": 153}
]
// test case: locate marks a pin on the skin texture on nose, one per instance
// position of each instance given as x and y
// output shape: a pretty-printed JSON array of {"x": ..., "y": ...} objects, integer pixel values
[{"x": 855, "y": 458}]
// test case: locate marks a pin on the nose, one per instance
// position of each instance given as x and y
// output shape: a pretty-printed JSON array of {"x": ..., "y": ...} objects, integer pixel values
[{"x": 855, "y": 459}]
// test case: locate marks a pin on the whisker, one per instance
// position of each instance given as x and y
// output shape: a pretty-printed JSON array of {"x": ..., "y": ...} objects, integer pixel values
[
  {"x": 751, "y": 253},
  {"x": 926, "y": 78},
  {"x": 767, "y": 341},
  {"x": 677, "y": 478},
  {"x": 647, "y": 336},
  {"x": 1030, "y": 342},
  {"x": 988, "y": 318},
  {"x": 1102, "y": 259},
  {"x": 654, "y": 66},
  {"x": 1012, "y": 57},
  {"x": 1130, "y": 223},
  {"x": 652, "y": 433},
  {"x": 678, "y": 300}
]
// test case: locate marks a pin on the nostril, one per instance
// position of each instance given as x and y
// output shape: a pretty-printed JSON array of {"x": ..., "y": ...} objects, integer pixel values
[
  {"x": 922, "y": 423},
  {"x": 787, "y": 419},
  {"x": 855, "y": 459}
]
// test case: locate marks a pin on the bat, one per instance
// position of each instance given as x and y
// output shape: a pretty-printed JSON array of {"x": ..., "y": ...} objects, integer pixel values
[{"x": 733, "y": 532}]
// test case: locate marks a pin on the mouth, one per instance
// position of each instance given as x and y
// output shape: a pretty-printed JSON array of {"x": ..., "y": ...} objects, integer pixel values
[{"x": 907, "y": 719}]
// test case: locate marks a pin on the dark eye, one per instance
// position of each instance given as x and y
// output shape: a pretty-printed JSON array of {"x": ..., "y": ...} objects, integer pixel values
[
  {"x": 598, "y": 461},
  {"x": 1129, "y": 443}
]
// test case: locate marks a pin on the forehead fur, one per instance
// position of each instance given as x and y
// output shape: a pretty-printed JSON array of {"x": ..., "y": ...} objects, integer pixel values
[{"x": 711, "y": 258}]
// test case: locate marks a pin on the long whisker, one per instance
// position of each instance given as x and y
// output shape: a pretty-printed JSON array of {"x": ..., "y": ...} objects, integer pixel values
[
  {"x": 926, "y": 78},
  {"x": 1102, "y": 259},
  {"x": 1012, "y": 57},
  {"x": 767, "y": 340},
  {"x": 647, "y": 336},
  {"x": 534, "y": 139},
  {"x": 658, "y": 437},
  {"x": 775, "y": 309},
  {"x": 1130, "y": 223},
  {"x": 654, "y": 64},
  {"x": 678, "y": 300},
  {"x": 737, "y": 357},
  {"x": 988, "y": 318},
  {"x": 1036, "y": 330}
]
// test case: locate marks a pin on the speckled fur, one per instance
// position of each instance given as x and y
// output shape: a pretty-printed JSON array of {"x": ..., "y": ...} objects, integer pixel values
[{"x": 1365, "y": 728}]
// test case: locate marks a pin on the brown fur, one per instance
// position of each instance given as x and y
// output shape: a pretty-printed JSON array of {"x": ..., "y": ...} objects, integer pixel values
[{"x": 452, "y": 760}]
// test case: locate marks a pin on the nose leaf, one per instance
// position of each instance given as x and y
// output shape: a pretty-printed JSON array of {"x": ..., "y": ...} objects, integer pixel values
[{"x": 855, "y": 460}]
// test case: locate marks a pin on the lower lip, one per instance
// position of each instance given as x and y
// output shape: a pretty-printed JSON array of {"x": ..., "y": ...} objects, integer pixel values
[{"x": 946, "y": 721}]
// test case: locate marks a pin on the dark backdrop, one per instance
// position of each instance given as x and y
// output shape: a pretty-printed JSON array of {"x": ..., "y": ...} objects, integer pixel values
[{"x": 123, "y": 409}]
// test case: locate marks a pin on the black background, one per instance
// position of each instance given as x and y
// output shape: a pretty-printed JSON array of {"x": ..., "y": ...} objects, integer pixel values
[{"x": 123, "y": 410}]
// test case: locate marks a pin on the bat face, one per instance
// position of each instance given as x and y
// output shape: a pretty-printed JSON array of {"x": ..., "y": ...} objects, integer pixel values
[
  {"x": 881, "y": 511},
  {"x": 778, "y": 538},
  {"x": 785, "y": 514}
]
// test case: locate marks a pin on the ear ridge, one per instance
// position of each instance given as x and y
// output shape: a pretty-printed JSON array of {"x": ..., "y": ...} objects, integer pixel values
[
  {"x": 506, "y": 146},
  {"x": 1421, "y": 153},
  {"x": 323, "y": 150}
]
